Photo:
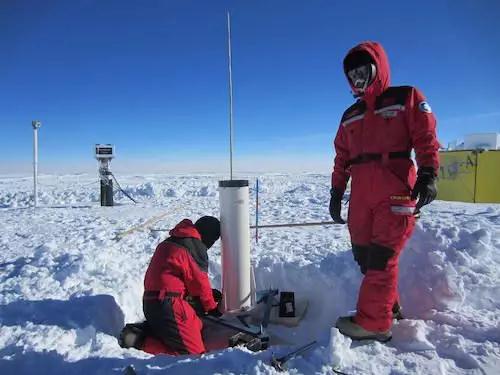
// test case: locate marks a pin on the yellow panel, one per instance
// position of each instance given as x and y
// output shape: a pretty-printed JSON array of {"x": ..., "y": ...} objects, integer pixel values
[
  {"x": 457, "y": 175},
  {"x": 488, "y": 177}
]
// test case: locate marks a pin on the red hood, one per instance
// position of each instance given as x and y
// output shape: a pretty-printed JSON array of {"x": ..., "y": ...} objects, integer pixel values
[
  {"x": 383, "y": 77},
  {"x": 185, "y": 229}
]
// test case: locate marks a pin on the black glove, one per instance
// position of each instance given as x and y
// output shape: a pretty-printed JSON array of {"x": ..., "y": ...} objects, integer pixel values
[
  {"x": 425, "y": 187},
  {"x": 335, "y": 205},
  {"x": 215, "y": 312},
  {"x": 195, "y": 303},
  {"x": 217, "y": 295}
]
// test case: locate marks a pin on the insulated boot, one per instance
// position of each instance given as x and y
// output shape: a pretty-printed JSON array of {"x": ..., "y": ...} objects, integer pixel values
[
  {"x": 347, "y": 327},
  {"x": 133, "y": 335}
]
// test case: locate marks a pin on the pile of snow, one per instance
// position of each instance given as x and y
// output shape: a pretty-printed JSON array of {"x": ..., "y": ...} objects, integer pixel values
[{"x": 71, "y": 275}]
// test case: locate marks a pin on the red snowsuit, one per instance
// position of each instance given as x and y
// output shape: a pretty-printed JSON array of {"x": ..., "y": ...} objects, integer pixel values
[
  {"x": 373, "y": 146},
  {"x": 178, "y": 269}
]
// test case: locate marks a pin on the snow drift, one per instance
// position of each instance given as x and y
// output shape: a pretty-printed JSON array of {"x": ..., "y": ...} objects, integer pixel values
[{"x": 71, "y": 276}]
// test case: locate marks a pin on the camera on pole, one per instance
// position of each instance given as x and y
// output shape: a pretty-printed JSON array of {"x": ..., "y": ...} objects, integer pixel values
[{"x": 104, "y": 153}]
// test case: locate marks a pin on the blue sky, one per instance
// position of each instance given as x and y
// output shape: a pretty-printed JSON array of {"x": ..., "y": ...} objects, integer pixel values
[{"x": 151, "y": 77}]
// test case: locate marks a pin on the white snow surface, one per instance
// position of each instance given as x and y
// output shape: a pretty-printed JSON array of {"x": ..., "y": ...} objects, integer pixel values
[{"x": 69, "y": 281}]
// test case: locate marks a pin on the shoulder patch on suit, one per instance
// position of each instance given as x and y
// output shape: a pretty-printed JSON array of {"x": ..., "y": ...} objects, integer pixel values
[{"x": 424, "y": 107}]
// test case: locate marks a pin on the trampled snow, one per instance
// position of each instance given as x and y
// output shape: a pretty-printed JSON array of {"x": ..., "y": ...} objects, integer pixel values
[{"x": 71, "y": 275}]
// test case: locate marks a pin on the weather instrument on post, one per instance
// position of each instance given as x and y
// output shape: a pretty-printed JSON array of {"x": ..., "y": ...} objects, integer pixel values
[{"x": 104, "y": 153}]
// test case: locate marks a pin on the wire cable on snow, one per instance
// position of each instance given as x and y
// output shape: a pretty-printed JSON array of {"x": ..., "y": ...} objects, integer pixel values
[{"x": 120, "y": 188}]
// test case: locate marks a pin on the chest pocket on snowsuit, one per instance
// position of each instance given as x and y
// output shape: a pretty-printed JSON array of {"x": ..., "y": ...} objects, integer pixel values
[{"x": 352, "y": 121}]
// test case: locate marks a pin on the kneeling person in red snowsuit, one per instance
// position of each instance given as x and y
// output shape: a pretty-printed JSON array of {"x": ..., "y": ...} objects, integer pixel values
[
  {"x": 373, "y": 147},
  {"x": 179, "y": 269}
]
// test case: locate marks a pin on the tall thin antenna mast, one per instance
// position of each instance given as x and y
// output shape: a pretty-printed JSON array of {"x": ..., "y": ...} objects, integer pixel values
[
  {"x": 36, "y": 125},
  {"x": 230, "y": 96}
]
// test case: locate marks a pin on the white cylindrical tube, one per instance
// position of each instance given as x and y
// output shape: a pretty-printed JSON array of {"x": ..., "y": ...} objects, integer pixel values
[{"x": 235, "y": 236}]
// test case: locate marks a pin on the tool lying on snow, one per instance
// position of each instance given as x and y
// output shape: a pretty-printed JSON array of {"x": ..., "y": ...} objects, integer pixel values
[
  {"x": 252, "y": 337},
  {"x": 279, "y": 363}
]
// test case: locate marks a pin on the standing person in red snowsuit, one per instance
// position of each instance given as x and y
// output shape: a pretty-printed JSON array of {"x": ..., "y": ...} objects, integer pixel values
[
  {"x": 177, "y": 270},
  {"x": 373, "y": 147}
]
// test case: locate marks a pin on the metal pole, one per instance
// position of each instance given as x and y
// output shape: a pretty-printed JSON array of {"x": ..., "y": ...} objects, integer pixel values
[
  {"x": 230, "y": 63},
  {"x": 235, "y": 326},
  {"x": 35, "y": 165},
  {"x": 295, "y": 225},
  {"x": 257, "y": 211},
  {"x": 475, "y": 176},
  {"x": 313, "y": 224},
  {"x": 36, "y": 125}
]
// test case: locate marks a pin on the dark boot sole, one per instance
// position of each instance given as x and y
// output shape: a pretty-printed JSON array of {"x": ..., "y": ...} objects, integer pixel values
[
  {"x": 382, "y": 339},
  {"x": 375, "y": 338}
]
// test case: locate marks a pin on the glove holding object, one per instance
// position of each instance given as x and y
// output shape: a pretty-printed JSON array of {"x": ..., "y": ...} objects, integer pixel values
[
  {"x": 197, "y": 306},
  {"x": 335, "y": 205},
  {"x": 217, "y": 294},
  {"x": 218, "y": 298},
  {"x": 425, "y": 188},
  {"x": 215, "y": 312},
  {"x": 195, "y": 303}
]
